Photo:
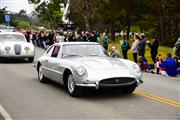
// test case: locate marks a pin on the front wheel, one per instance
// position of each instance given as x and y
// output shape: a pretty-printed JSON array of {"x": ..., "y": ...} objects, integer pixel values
[
  {"x": 41, "y": 77},
  {"x": 128, "y": 90},
  {"x": 73, "y": 90}
]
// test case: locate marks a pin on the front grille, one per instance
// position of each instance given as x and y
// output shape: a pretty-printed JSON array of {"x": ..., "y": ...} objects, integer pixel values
[
  {"x": 117, "y": 81},
  {"x": 17, "y": 49}
]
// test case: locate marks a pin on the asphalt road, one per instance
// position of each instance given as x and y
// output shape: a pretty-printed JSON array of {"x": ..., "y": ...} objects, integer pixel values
[{"x": 24, "y": 97}]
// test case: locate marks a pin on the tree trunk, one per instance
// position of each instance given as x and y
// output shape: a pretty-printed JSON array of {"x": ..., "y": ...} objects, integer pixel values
[
  {"x": 112, "y": 31},
  {"x": 87, "y": 23},
  {"x": 128, "y": 26}
]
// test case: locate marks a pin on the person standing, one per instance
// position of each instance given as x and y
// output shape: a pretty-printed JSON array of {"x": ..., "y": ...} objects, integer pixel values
[
  {"x": 134, "y": 47},
  {"x": 105, "y": 38},
  {"x": 153, "y": 48},
  {"x": 124, "y": 46},
  {"x": 141, "y": 45}
]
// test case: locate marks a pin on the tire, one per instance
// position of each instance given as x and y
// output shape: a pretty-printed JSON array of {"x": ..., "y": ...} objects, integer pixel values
[
  {"x": 41, "y": 77},
  {"x": 72, "y": 89},
  {"x": 30, "y": 60},
  {"x": 128, "y": 90}
]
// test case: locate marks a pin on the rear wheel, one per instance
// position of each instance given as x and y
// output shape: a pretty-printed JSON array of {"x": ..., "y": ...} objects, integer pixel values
[
  {"x": 128, "y": 90},
  {"x": 41, "y": 77},
  {"x": 31, "y": 59},
  {"x": 73, "y": 90}
]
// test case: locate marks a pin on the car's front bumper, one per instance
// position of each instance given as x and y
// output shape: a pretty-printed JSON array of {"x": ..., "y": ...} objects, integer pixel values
[
  {"x": 97, "y": 84},
  {"x": 16, "y": 56}
]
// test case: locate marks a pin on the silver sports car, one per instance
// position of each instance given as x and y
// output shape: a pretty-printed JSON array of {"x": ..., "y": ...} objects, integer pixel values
[
  {"x": 86, "y": 64},
  {"x": 14, "y": 45}
]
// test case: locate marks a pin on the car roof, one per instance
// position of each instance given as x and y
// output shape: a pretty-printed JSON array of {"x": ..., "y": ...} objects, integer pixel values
[
  {"x": 77, "y": 43},
  {"x": 12, "y": 33}
]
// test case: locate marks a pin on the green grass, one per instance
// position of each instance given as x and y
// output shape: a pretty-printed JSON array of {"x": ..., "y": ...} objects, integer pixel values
[{"x": 162, "y": 50}]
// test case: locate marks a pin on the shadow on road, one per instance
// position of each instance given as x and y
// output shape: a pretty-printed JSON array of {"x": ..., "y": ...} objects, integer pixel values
[{"x": 90, "y": 93}]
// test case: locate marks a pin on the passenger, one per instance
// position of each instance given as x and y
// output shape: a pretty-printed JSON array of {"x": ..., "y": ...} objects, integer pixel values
[{"x": 170, "y": 65}]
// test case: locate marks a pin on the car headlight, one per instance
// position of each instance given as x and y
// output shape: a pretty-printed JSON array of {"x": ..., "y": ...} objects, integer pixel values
[
  {"x": 136, "y": 68},
  {"x": 26, "y": 48},
  {"x": 81, "y": 71},
  {"x": 7, "y": 48}
]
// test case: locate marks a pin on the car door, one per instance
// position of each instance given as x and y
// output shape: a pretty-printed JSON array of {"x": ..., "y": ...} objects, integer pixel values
[
  {"x": 54, "y": 64},
  {"x": 45, "y": 64}
]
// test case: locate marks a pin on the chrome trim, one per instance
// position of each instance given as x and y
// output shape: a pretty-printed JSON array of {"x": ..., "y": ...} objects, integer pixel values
[
  {"x": 116, "y": 85},
  {"x": 87, "y": 85},
  {"x": 52, "y": 70}
]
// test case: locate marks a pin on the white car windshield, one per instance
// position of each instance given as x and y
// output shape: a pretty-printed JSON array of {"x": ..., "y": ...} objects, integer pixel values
[
  {"x": 12, "y": 37},
  {"x": 84, "y": 50}
]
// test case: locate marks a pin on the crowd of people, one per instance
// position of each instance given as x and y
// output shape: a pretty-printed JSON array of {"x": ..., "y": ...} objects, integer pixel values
[
  {"x": 44, "y": 39},
  {"x": 168, "y": 67}
]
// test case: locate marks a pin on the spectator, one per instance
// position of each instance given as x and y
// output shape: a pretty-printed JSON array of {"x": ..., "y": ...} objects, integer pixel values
[
  {"x": 141, "y": 45},
  {"x": 159, "y": 60},
  {"x": 170, "y": 65},
  {"x": 178, "y": 64},
  {"x": 153, "y": 48},
  {"x": 157, "y": 65},
  {"x": 92, "y": 37},
  {"x": 114, "y": 52},
  {"x": 143, "y": 63},
  {"x": 124, "y": 46},
  {"x": 135, "y": 47},
  {"x": 105, "y": 38}
]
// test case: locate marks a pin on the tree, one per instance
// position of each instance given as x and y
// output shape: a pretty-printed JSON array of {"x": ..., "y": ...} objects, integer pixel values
[
  {"x": 2, "y": 13},
  {"x": 85, "y": 8},
  {"x": 50, "y": 11},
  {"x": 23, "y": 25}
]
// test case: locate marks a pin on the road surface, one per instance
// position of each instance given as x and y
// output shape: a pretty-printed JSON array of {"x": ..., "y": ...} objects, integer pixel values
[{"x": 24, "y": 97}]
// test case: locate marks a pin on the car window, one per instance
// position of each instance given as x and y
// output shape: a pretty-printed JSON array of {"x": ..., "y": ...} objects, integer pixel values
[
  {"x": 84, "y": 50},
  {"x": 49, "y": 51},
  {"x": 55, "y": 51},
  {"x": 12, "y": 37}
]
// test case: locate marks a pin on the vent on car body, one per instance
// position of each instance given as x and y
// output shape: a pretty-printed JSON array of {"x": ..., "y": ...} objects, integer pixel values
[
  {"x": 17, "y": 49},
  {"x": 112, "y": 81}
]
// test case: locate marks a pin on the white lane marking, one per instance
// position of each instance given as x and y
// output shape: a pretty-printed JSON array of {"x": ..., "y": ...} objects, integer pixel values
[{"x": 4, "y": 114}]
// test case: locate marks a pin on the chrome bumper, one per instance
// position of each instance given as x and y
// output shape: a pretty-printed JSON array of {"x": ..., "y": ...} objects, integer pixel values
[{"x": 97, "y": 85}]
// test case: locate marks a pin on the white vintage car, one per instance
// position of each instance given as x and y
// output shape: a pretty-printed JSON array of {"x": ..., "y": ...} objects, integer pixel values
[
  {"x": 15, "y": 45},
  {"x": 86, "y": 64}
]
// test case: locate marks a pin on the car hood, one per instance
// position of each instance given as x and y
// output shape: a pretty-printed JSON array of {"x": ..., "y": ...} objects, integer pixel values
[{"x": 100, "y": 63}]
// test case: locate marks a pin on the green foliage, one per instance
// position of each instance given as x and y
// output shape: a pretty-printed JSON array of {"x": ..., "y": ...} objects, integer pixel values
[
  {"x": 23, "y": 25},
  {"x": 135, "y": 29},
  {"x": 151, "y": 32}
]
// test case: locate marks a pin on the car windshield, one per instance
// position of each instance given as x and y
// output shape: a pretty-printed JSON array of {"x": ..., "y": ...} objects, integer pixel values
[
  {"x": 12, "y": 37},
  {"x": 84, "y": 50}
]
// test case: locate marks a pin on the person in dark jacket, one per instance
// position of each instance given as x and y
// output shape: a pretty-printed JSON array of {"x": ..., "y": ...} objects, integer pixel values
[
  {"x": 124, "y": 46},
  {"x": 141, "y": 45},
  {"x": 153, "y": 48},
  {"x": 170, "y": 65}
]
